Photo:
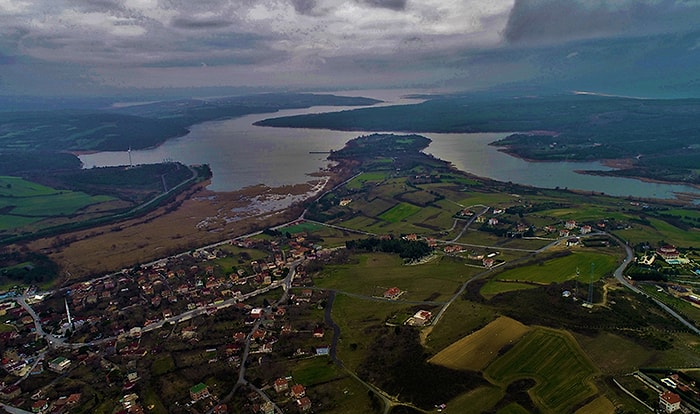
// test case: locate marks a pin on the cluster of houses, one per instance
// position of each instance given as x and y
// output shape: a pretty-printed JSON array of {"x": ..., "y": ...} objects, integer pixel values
[
  {"x": 296, "y": 392},
  {"x": 153, "y": 292},
  {"x": 506, "y": 227},
  {"x": 172, "y": 286},
  {"x": 570, "y": 227},
  {"x": 670, "y": 400},
  {"x": 63, "y": 404}
]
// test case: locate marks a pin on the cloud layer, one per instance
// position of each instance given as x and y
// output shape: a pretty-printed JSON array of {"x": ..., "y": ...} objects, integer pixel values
[
  {"x": 556, "y": 20},
  {"x": 304, "y": 43}
]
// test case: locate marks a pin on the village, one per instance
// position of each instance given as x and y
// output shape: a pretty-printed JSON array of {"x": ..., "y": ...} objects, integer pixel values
[
  {"x": 217, "y": 310},
  {"x": 111, "y": 323}
]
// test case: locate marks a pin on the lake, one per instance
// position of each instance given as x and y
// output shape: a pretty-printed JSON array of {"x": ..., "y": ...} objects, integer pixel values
[{"x": 241, "y": 155}]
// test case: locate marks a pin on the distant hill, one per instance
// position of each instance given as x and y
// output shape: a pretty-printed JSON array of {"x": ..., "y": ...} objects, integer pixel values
[{"x": 661, "y": 136}]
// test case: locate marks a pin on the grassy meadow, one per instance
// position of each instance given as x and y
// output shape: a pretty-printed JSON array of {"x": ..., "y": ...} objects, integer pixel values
[
  {"x": 555, "y": 270},
  {"x": 23, "y": 203},
  {"x": 436, "y": 280}
]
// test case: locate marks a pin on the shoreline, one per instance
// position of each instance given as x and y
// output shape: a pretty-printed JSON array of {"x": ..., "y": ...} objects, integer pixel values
[{"x": 614, "y": 163}]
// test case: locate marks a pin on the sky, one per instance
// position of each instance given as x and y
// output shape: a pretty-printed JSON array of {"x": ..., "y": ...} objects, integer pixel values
[{"x": 94, "y": 46}]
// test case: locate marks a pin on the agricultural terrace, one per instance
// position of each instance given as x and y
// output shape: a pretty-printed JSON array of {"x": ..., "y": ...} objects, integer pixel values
[
  {"x": 555, "y": 361},
  {"x": 373, "y": 273},
  {"x": 474, "y": 352},
  {"x": 555, "y": 270},
  {"x": 428, "y": 220},
  {"x": 23, "y": 202}
]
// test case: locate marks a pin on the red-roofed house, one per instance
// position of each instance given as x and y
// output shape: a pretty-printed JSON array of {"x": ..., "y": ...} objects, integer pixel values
[
  {"x": 298, "y": 391},
  {"x": 281, "y": 385},
  {"x": 40, "y": 406},
  {"x": 73, "y": 399},
  {"x": 668, "y": 252},
  {"x": 392, "y": 293},
  {"x": 304, "y": 404},
  {"x": 669, "y": 402},
  {"x": 422, "y": 317}
]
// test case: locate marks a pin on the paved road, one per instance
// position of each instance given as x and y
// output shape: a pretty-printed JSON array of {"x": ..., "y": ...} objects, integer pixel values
[
  {"x": 623, "y": 280},
  {"x": 14, "y": 410},
  {"x": 471, "y": 220},
  {"x": 286, "y": 284}
]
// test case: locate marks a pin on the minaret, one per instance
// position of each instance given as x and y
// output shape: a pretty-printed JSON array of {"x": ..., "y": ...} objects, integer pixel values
[{"x": 70, "y": 320}]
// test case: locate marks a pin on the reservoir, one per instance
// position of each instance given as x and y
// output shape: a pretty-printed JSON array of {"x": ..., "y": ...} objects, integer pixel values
[{"x": 241, "y": 155}]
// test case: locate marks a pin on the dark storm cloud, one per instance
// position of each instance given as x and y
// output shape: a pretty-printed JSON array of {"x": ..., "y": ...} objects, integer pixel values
[
  {"x": 386, "y": 4},
  {"x": 200, "y": 24},
  {"x": 304, "y": 6},
  {"x": 97, "y": 5},
  {"x": 533, "y": 21},
  {"x": 162, "y": 43}
]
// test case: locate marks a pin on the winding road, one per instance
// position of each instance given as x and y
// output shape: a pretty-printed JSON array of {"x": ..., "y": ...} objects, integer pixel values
[{"x": 623, "y": 280}]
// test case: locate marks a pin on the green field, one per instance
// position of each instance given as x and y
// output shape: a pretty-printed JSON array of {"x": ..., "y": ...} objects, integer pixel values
[
  {"x": 460, "y": 319},
  {"x": 17, "y": 187},
  {"x": 399, "y": 212},
  {"x": 24, "y": 202},
  {"x": 359, "y": 321},
  {"x": 479, "y": 400},
  {"x": 62, "y": 203},
  {"x": 314, "y": 371},
  {"x": 494, "y": 287},
  {"x": 600, "y": 405},
  {"x": 373, "y": 208},
  {"x": 475, "y": 351},
  {"x": 357, "y": 182},
  {"x": 305, "y": 227},
  {"x": 163, "y": 365},
  {"x": 657, "y": 231},
  {"x": 8, "y": 222},
  {"x": 486, "y": 199},
  {"x": 564, "y": 268},
  {"x": 377, "y": 272},
  {"x": 554, "y": 360},
  {"x": 684, "y": 213},
  {"x": 682, "y": 306}
]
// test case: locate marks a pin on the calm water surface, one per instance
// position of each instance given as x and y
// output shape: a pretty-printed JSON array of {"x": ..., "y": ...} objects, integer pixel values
[
  {"x": 471, "y": 153},
  {"x": 242, "y": 155}
]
